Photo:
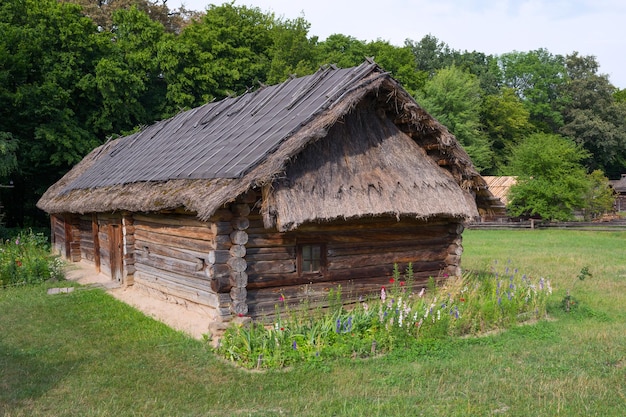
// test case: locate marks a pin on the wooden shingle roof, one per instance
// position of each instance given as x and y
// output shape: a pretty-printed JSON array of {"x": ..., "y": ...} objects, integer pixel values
[{"x": 223, "y": 139}]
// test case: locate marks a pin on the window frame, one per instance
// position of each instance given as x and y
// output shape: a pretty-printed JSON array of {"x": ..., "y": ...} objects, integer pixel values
[{"x": 300, "y": 259}]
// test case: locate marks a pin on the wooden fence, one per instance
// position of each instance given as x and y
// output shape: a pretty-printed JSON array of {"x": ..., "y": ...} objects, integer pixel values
[{"x": 610, "y": 226}]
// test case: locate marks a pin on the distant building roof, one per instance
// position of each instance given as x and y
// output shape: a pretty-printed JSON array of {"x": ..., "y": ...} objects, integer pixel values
[
  {"x": 500, "y": 186},
  {"x": 619, "y": 185}
]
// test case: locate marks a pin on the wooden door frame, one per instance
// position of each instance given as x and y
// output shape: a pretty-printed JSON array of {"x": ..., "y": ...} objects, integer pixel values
[{"x": 116, "y": 251}]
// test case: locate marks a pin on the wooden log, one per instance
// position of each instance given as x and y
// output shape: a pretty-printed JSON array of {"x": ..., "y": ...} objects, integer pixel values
[
  {"x": 218, "y": 256},
  {"x": 190, "y": 232},
  {"x": 169, "y": 264},
  {"x": 167, "y": 285},
  {"x": 240, "y": 309},
  {"x": 172, "y": 252},
  {"x": 366, "y": 248},
  {"x": 221, "y": 228},
  {"x": 171, "y": 220},
  {"x": 453, "y": 260},
  {"x": 239, "y": 237},
  {"x": 238, "y": 251},
  {"x": 386, "y": 258},
  {"x": 237, "y": 264},
  {"x": 239, "y": 279},
  {"x": 455, "y": 249},
  {"x": 238, "y": 294},
  {"x": 240, "y": 223},
  {"x": 272, "y": 267},
  {"x": 456, "y": 228},
  {"x": 173, "y": 241},
  {"x": 270, "y": 254},
  {"x": 218, "y": 271},
  {"x": 270, "y": 240},
  {"x": 220, "y": 285},
  {"x": 222, "y": 242}
]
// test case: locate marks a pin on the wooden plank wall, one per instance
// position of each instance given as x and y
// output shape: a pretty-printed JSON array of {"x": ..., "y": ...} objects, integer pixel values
[
  {"x": 72, "y": 237},
  {"x": 57, "y": 226},
  {"x": 171, "y": 257},
  {"x": 360, "y": 257},
  {"x": 87, "y": 252}
]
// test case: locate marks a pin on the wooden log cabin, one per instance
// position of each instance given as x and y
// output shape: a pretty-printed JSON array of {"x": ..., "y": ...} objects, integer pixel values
[{"x": 281, "y": 193}]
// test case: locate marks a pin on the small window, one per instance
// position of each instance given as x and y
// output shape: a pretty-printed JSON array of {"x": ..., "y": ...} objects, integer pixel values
[{"x": 311, "y": 258}]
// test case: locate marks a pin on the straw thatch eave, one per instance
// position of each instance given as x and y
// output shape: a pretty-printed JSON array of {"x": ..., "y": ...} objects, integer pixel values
[{"x": 365, "y": 166}]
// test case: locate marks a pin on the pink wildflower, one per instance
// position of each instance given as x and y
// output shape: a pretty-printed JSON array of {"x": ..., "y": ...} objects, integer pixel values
[
  {"x": 383, "y": 294},
  {"x": 421, "y": 294}
]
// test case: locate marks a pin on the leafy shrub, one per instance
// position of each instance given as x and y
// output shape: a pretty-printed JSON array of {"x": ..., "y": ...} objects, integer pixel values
[
  {"x": 26, "y": 259},
  {"x": 398, "y": 318}
]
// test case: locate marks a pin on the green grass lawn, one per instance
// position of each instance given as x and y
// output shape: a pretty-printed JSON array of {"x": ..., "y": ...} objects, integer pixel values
[{"x": 87, "y": 354}]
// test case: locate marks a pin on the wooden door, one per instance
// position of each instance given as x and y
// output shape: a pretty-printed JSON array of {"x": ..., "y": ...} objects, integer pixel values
[{"x": 116, "y": 251}]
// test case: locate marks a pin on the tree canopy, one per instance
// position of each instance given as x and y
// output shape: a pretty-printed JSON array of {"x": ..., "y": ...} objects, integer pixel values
[{"x": 74, "y": 73}]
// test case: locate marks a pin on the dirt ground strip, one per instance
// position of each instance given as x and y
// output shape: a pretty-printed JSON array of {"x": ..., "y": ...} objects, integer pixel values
[{"x": 177, "y": 316}]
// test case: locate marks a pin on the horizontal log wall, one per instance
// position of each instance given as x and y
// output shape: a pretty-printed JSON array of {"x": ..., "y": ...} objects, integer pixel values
[
  {"x": 360, "y": 257},
  {"x": 171, "y": 256}
]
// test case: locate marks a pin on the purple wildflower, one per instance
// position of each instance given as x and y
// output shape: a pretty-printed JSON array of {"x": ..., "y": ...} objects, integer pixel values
[
  {"x": 347, "y": 327},
  {"x": 294, "y": 345},
  {"x": 338, "y": 327},
  {"x": 541, "y": 284}
]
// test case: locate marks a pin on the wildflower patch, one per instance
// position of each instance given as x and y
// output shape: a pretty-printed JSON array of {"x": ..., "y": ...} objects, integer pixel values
[{"x": 397, "y": 317}]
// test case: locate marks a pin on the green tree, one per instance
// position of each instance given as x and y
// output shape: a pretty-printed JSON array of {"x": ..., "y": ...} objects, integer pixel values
[
  {"x": 506, "y": 121},
  {"x": 431, "y": 54},
  {"x": 551, "y": 182},
  {"x": 223, "y": 53},
  {"x": 537, "y": 77},
  {"x": 454, "y": 98},
  {"x": 101, "y": 12},
  {"x": 48, "y": 55},
  {"x": 400, "y": 62},
  {"x": 599, "y": 198},
  {"x": 130, "y": 88},
  {"x": 341, "y": 50},
  {"x": 593, "y": 118},
  {"x": 292, "y": 51}
]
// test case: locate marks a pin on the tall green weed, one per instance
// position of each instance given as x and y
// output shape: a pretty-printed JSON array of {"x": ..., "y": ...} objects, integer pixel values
[{"x": 26, "y": 259}]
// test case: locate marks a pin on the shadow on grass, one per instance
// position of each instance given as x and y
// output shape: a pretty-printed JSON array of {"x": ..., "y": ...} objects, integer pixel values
[{"x": 24, "y": 377}]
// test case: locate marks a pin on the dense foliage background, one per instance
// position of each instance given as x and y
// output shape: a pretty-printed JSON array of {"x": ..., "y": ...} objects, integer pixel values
[{"x": 74, "y": 73}]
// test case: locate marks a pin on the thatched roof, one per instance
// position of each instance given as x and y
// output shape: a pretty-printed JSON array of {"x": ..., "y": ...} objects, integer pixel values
[
  {"x": 382, "y": 172},
  {"x": 203, "y": 158}
]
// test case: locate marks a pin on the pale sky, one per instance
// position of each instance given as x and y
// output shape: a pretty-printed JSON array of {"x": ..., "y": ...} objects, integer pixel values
[{"x": 591, "y": 27}]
